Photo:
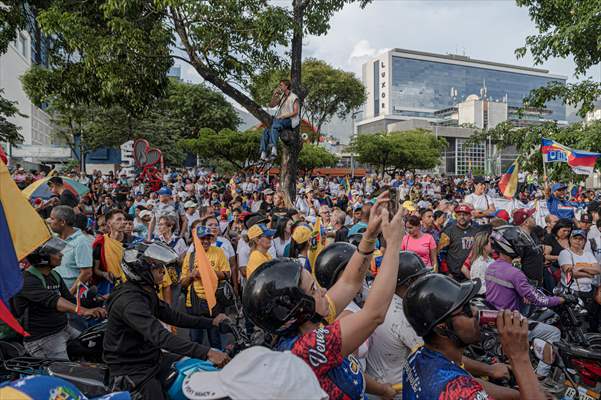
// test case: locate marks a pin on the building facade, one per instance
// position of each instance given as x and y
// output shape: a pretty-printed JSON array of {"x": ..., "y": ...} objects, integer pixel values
[
  {"x": 29, "y": 48},
  {"x": 445, "y": 94}
]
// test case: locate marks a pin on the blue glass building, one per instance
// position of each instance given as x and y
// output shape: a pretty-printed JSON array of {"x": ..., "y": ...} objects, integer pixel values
[{"x": 406, "y": 84}]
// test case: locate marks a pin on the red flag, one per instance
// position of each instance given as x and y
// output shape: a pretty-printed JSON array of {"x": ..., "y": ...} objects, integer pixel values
[
  {"x": 10, "y": 320},
  {"x": 3, "y": 156}
]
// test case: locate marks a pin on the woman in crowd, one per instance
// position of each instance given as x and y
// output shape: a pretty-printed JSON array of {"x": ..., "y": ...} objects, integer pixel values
[
  {"x": 554, "y": 243},
  {"x": 422, "y": 244},
  {"x": 481, "y": 258},
  {"x": 299, "y": 245},
  {"x": 259, "y": 240},
  {"x": 283, "y": 232},
  {"x": 578, "y": 270}
]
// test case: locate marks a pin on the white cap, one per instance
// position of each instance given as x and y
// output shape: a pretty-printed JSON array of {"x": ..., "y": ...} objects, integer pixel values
[
  {"x": 189, "y": 204},
  {"x": 257, "y": 373},
  {"x": 145, "y": 213}
]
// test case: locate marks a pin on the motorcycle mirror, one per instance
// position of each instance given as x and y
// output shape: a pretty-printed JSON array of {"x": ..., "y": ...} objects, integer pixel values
[
  {"x": 556, "y": 291},
  {"x": 543, "y": 350}
]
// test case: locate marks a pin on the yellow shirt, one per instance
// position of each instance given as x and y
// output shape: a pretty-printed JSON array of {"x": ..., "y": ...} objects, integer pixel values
[
  {"x": 165, "y": 284},
  {"x": 218, "y": 262},
  {"x": 255, "y": 260}
]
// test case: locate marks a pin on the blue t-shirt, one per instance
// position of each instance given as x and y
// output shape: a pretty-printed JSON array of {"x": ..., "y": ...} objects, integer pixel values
[{"x": 429, "y": 375}]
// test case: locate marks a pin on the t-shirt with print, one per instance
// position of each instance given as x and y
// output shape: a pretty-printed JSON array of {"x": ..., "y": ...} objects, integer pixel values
[
  {"x": 391, "y": 344},
  {"x": 429, "y": 375},
  {"x": 480, "y": 202},
  {"x": 218, "y": 262},
  {"x": 587, "y": 259},
  {"x": 421, "y": 246},
  {"x": 340, "y": 377}
]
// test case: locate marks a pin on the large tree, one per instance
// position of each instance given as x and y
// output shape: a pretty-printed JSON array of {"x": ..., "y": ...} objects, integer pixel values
[
  {"x": 398, "y": 151},
  {"x": 329, "y": 92},
  {"x": 182, "y": 113},
  {"x": 566, "y": 28}
]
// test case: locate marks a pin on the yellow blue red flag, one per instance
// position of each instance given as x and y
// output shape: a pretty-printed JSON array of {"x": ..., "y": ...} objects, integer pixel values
[
  {"x": 22, "y": 230},
  {"x": 508, "y": 185}
]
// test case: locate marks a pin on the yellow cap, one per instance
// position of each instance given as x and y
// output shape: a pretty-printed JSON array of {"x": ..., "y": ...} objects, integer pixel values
[
  {"x": 409, "y": 206},
  {"x": 301, "y": 234}
]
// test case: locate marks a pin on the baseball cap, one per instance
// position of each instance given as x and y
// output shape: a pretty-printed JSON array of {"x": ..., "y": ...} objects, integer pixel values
[
  {"x": 203, "y": 231},
  {"x": 558, "y": 186},
  {"x": 586, "y": 218},
  {"x": 503, "y": 214},
  {"x": 358, "y": 206},
  {"x": 245, "y": 378},
  {"x": 164, "y": 191},
  {"x": 463, "y": 208},
  {"x": 253, "y": 219},
  {"x": 578, "y": 232},
  {"x": 189, "y": 204},
  {"x": 259, "y": 230},
  {"x": 301, "y": 234},
  {"x": 522, "y": 214},
  {"x": 409, "y": 206},
  {"x": 267, "y": 191},
  {"x": 145, "y": 213}
]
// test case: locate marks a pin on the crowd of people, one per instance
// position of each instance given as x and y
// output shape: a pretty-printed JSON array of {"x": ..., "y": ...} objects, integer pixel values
[{"x": 340, "y": 281}]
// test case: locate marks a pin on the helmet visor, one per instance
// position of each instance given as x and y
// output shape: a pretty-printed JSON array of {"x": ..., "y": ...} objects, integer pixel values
[{"x": 159, "y": 254}]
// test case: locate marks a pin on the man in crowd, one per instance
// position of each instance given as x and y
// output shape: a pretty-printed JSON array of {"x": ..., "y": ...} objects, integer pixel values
[
  {"x": 457, "y": 241},
  {"x": 66, "y": 197},
  {"x": 533, "y": 258},
  {"x": 482, "y": 205}
]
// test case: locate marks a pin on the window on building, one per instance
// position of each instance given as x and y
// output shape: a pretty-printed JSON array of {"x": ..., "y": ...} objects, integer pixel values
[
  {"x": 22, "y": 44},
  {"x": 376, "y": 88},
  {"x": 469, "y": 158}
]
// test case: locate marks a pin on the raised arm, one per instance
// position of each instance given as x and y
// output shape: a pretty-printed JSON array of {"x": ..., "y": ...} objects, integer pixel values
[
  {"x": 351, "y": 280},
  {"x": 356, "y": 328}
]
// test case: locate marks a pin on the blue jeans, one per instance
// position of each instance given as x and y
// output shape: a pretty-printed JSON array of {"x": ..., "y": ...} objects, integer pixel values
[
  {"x": 197, "y": 335},
  {"x": 271, "y": 135}
]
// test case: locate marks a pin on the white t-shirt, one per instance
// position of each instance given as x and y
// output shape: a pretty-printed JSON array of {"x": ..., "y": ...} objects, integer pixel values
[
  {"x": 280, "y": 246},
  {"x": 391, "y": 344},
  {"x": 568, "y": 257},
  {"x": 287, "y": 107},
  {"x": 363, "y": 349},
  {"x": 480, "y": 202},
  {"x": 478, "y": 270},
  {"x": 595, "y": 235},
  {"x": 243, "y": 251}
]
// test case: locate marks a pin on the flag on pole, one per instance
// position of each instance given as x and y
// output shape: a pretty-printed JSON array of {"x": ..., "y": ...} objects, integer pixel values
[
  {"x": 208, "y": 277},
  {"x": 582, "y": 162},
  {"x": 3, "y": 156},
  {"x": 82, "y": 290},
  {"x": 508, "y": 185},
  {"x": 316, "y": 244},
  {"x": 22, "y": 230}
]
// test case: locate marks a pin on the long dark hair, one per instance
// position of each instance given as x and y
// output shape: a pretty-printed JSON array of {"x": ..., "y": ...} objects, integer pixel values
[
  {"x": 280, "y": 227},
  {"x": 562, "y": 223}
]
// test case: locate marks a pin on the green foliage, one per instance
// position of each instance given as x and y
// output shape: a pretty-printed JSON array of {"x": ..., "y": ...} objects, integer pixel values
[
  {"x": 181, "y": 114},
  {"x": 527, "y": 142},
  {"x": 566, "y": 28},
  {"x": 239, "y": 149},
  {"x": 102, "y": 55},
  {"x": 329, "y": 92},
  {"x": 9, "y": 132},
  {"x": 313, "y": 156},
  {"x": 398, "y": 151}
]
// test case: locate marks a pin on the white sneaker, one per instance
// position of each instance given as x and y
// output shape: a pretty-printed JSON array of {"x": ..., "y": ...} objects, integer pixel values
[
  {"x": 274, "y": 152},
  {"x": 263, "y": 156}
]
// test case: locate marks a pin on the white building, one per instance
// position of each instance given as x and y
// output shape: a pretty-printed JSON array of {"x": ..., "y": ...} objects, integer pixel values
[{"x": 36, "y": 127}]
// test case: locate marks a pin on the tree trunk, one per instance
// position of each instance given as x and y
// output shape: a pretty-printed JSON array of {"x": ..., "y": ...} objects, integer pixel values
[{"x": 291, "y": 150}]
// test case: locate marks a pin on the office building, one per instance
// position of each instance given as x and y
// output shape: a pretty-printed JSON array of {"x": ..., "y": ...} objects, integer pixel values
[
  {"x": 446, "y": 93},
  {"x": 29, "y": 48}
]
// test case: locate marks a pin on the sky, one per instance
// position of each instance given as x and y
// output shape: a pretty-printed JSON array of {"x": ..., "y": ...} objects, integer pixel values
[{"x": 485, "y": 29}]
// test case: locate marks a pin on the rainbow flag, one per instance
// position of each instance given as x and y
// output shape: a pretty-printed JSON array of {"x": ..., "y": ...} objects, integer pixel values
[
  {"x": 508, "y": 185},
  {"x": 22, "y": 230},
  {"x": 581, "y": 162}
]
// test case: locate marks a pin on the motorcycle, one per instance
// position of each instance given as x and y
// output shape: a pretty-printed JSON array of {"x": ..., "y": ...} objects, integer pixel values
[
  {"x": 580, "y": 367},
  {"x": 93, "y": 379}
]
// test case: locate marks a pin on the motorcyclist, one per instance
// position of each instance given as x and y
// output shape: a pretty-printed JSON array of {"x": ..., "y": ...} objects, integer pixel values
[
  {"x": 507, "y": 286},
  {"x": 395, "y": 339},
  {"x": 135, "y": 337},
  {"x": 44, "y": 301},
  {"x": 284, "y": 298},
  {"x": 329, "y": 266},
  {"x": 438, "y": 308}
]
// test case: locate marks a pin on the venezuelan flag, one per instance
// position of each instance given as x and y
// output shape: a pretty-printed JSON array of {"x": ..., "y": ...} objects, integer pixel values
[
  {"x": 581, "y": 162},
  {"x": 508, "y": 185},
  {"x": 22, "y": 230}
]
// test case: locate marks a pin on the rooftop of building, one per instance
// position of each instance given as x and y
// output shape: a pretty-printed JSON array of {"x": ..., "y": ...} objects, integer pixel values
[{"x": 458, "y": 57}]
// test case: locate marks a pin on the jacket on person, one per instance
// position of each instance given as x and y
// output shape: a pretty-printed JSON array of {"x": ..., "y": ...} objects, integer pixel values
[
  {"x": 562, "y": 208},
  {"x": 507, "y": 285},
  {"x": 135, "y": 336}
]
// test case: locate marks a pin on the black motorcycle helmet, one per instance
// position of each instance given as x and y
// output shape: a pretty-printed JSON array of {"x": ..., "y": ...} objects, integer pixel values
[
  {"x": 273, "y": 300},
  {"x": 331, "y": 261},
  {"x": 40, "y": 257},
  {"x": 433, "y": 298},
  {"x": 355, "y": 239},
  {"x": 138, "y": 263},
  {"x": 510, "y": 240},
  {"x": 411, "y": 266}
]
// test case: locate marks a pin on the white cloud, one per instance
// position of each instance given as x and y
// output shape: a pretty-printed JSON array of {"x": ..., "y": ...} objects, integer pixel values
[{"x": 362, "y": 52}]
